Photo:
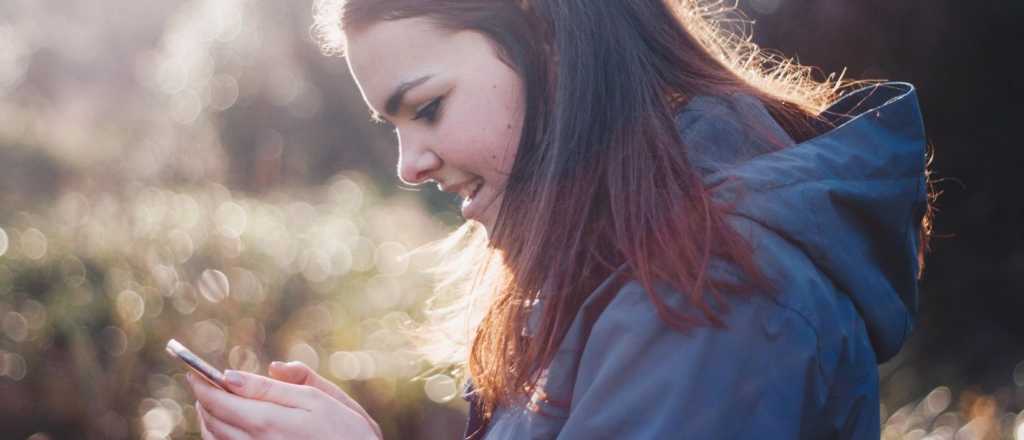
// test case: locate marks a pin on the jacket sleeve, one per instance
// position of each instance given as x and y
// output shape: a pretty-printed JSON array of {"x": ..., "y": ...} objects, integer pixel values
[{"x": 640, "y": 379}]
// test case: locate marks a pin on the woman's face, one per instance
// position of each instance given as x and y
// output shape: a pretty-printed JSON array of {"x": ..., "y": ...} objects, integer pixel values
[{"x": 456, "y": 107}]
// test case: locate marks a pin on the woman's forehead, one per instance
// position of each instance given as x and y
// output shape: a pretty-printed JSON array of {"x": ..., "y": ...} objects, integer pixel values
[{"x": 387, "y": 54}]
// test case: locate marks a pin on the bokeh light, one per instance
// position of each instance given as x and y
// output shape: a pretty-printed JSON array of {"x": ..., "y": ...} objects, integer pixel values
[
  {"x": 158, "y": 422},
  {"x": 15, "y": 326},
  {"x": 1018, "y": 374},
  {"x": 231, "y": 219},
  {"x": 383, "y": 292},
  {"x": 440, "y": 388},
  {"x": 13, "y": 366},
  {"x": 344, "y": 365},
  {"x": 363, "y": 254},
  {"x": 130, "y": 306},
  {"x": 181, "y": 245},
  {"x": 184, "y": 298},
  {"x": 304, "y": 353},
  {"x": 391, "y": 258},
  {"x": 14, "y": 58},
  {"x": 249, "y": 331},
  {"x": 208, "y": 336},
  {"x": 114, "y": 340},
  {"x": 347, "y": 194},
  {"x": 72, "y": 271},
  {"x": 214, "y": 285},
  {"x": 243, "y": 358},
  {"x": 316, "y": 265},
  {"x": 3, "y": 242},
  {"x": 33, "y": 244},
  {"x": 247, "y": 286}
]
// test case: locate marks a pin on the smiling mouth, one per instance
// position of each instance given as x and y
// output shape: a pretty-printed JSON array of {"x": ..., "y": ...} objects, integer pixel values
[
  {"x": 467, "y": 201},
  {"x": 476, "y": 188}
]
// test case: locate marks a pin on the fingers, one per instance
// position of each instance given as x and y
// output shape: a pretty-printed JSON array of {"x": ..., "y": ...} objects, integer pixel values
[
  {"x": 245, "y": 414},
  {"x": 213, "y": 428},
  {"x": 202, "y": 425},
  {"x": 254, "y": 386},
  {"x": 285, "y": 372},
  {"x": 298, "y": 372}
]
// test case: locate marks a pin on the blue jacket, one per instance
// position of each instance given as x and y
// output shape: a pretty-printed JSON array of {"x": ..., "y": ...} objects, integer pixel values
[{"x": 834, "y": 222}]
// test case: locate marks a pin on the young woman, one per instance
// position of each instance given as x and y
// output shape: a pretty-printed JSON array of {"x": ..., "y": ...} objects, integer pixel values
[{"x": 670, "y": 235}]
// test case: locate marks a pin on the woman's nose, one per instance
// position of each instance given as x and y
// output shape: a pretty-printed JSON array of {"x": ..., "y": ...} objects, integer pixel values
[{"x": 417, "y": 165}]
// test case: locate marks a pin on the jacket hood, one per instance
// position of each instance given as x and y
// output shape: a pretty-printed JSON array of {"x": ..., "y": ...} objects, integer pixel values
[{"x": 851, "y": 198}]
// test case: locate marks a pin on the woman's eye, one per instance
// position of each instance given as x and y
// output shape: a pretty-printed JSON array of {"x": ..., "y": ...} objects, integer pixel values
[{"x": 429, "y": 112}]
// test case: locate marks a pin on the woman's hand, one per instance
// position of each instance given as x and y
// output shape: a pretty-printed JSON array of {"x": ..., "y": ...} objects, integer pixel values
[{"x": 294, "y": 403}]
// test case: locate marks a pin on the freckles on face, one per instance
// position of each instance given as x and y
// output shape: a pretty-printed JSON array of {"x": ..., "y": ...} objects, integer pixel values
[
  {"x": 460, "y": 121},
  {"x": 483, "y": 131}
]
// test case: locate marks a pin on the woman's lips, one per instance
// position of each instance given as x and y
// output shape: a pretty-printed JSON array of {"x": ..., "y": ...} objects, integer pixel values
[{"x": 471, "y": 202}]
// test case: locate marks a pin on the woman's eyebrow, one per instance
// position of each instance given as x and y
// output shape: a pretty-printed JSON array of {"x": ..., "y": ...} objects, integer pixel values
[{"x": 395, "y": 100}]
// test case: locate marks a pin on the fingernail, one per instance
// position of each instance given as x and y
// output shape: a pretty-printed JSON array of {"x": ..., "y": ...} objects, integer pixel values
[
  {"x": 232, "y": 377},
  {"x": 276, "y": 364}
]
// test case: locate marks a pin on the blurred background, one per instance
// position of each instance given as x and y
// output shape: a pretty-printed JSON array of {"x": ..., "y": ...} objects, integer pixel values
[{"x": 196, "y": 169}]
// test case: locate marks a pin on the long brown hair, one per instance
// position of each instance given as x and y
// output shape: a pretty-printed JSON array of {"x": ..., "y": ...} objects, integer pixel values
[{"x": 601, "y": 176}]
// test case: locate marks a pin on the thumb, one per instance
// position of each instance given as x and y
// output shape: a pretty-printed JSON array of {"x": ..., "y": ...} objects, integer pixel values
[
  {"x": 254, "y": 386},
  {"x": 291, "y": 372},
  {"x": 299, "y": 373}
]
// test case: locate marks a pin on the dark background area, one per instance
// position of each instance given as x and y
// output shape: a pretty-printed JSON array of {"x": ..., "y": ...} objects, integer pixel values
[{"x": 964, "y": 58}]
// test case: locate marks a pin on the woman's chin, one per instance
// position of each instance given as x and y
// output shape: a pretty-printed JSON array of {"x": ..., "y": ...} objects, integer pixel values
[
  {"x": 484, "y": 217},
  {"x": 480, "y": 207}
]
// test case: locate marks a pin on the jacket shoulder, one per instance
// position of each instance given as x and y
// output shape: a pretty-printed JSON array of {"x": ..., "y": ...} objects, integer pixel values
[{"x": 762, "y": 368}]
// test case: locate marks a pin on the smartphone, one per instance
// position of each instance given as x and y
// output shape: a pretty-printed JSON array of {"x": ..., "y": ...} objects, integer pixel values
[{"x": 197, "y": 364}]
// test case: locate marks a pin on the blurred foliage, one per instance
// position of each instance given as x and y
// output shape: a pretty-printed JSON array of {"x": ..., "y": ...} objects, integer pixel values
[
  {"x": 93, "y": 287},
  {"x": 120, "y": 136},
  {"x": 196, "y": 169}
]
